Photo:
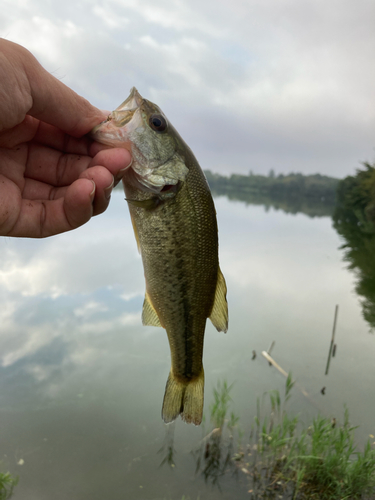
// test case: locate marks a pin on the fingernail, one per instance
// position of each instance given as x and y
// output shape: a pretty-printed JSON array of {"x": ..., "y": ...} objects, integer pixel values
[
  {"x": 108, "y": 190},
  {"x": 92, "y": 194},
  {"x": 120, "y": 173}
]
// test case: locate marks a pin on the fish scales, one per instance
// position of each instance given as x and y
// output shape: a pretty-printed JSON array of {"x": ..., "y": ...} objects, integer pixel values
[
  {"x": 174, "y": 222},
  {"x": 180, "y": 266}
]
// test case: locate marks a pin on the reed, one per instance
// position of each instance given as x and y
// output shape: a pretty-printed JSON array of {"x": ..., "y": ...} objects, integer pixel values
[
  {"x": 7, "y": 483},
  {"x": 282, "y": 458}
]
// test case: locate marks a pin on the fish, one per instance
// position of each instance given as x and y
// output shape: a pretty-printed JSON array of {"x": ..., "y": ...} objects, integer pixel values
[{"x": 175, "y": 226}]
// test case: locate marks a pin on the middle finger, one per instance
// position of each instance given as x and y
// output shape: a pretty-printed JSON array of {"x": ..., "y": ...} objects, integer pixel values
[{"x": 54, "y": 167}]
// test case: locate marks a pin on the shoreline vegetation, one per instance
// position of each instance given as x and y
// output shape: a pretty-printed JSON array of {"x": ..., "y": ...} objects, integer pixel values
[
  {"x": 282, "y": 458},
  {"x": 313, "y": 195}
]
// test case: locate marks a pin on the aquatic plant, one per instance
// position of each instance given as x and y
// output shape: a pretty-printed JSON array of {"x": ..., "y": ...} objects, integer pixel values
[
  {"x": 187, "y": 498},
  {"x": 317, "y": 462},
  {"x": 7, "y": 483},
  {"x": 220, "y": 406},
  {"x": 284, "y": 459}
]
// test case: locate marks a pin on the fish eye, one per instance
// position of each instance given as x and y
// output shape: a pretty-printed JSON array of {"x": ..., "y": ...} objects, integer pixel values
[{"x": 158, "y": 123}]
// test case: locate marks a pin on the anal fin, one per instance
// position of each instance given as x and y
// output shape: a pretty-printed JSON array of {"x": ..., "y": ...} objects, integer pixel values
[
  {"x": 149, "y": 315},
  {"x": 219, "y": 313}
]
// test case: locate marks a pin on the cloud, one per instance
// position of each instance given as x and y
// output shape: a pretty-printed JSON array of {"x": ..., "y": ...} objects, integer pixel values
[
  {"x": 282, "y": 85},
  {"x": 66, "y": 264},
  {"x": 29, "y": 325},
  {"x": 109, "y": 17}
]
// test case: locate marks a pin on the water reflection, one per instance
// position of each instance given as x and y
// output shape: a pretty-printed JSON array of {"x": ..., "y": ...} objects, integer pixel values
[
  {"x": 354, "y": 219},
  {"x": 82, "y": 381},
  {"x": 214, "y": 455},
  {"x": 168, "y": 450},
  {"x": 312, "y": 195}
]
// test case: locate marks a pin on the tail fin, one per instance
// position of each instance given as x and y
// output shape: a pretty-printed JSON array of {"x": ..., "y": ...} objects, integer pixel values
[{"x": 183, "y": 398}]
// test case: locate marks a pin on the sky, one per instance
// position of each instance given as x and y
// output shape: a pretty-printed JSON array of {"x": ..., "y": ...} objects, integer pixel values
[{"x": 251, "y": 85}]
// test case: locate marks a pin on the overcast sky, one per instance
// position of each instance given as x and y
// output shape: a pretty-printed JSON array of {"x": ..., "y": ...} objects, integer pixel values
[{"x": 287, "y": 85}]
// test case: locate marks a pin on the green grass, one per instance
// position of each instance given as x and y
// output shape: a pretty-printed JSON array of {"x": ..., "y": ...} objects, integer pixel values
[
  {"x": 219, "y": 408},
  {"x": 187, "y": 498},
  {"x": 283, "y": 459},
  {"x": 7, "y": 483},
  {"x": 184, "y": 497}
]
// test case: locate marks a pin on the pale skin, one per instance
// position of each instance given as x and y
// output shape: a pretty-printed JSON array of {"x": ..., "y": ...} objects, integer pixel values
[{"x": 52, "y": 177}]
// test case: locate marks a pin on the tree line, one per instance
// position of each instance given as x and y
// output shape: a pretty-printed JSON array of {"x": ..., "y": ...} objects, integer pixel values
[{"x": 314, "y": 195}]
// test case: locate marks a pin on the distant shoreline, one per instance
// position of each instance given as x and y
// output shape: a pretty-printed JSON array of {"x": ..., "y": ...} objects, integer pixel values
[{"x": 313, "y": 195}]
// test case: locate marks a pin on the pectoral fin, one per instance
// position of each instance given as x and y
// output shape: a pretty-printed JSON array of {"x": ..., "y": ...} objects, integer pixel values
[
  {"x": 219, "y": 313},
  {"x": 148, "y": 204},
  {"x": 149, "y": 315}
]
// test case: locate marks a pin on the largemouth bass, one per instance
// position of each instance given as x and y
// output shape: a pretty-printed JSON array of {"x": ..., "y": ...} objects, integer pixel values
[{"x": 175, "y": 226}]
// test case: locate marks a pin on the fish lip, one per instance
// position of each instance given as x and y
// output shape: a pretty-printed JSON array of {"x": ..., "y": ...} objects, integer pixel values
[{"x": 97, "y": 127}]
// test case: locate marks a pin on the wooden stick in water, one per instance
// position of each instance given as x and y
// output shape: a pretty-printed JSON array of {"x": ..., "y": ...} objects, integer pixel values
[
  {"x": 278, "y": 367},
  {"x": 273, "y": 362}
]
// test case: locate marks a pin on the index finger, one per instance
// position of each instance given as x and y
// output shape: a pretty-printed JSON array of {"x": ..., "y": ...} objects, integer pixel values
[
  {"x": 58, "y": 105},
  {"x": 49, "y": 100}
]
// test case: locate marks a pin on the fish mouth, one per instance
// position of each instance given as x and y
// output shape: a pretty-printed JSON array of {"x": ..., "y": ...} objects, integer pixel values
[
  {"x": 133, "y": 102},
  {"x": 122, "y": 114}
]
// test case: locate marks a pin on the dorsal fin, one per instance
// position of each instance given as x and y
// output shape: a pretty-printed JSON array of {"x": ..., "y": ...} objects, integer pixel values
[{"x": 219, "y": 313}]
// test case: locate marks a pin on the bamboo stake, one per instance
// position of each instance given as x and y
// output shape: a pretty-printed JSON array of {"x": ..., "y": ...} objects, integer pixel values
[{"x": 270, "y": 349}]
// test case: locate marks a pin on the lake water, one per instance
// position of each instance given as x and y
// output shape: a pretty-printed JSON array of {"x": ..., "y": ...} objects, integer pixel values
[{"x": 82, "y": 381}]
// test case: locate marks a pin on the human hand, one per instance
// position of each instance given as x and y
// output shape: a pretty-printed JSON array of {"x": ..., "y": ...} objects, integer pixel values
[{"x": 52, "y": 178}]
